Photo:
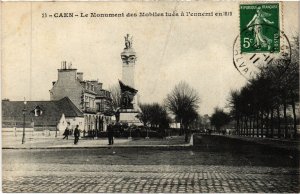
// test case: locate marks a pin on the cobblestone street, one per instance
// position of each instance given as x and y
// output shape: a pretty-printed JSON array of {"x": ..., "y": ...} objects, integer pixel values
[
  {"x": 150, "y": 178},
  {"x": 212, "y": 166}
]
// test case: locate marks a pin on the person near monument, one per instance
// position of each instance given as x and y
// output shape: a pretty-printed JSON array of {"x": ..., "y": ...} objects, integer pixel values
[
  {"x": 110, "y": 134},
  {"x": 76, "y": 134},
  {"x": 66, "y": 133}
]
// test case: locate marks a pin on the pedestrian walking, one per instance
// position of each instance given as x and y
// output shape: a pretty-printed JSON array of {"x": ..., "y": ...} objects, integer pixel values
[
  {"x": 110, "y": 134},
  {"x": 76, "y": 135},
  {"x": 66, "y": 133}
]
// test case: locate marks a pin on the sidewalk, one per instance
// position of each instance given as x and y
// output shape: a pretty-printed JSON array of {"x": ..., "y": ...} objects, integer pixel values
[
  {"x": 272, "y": 142},
  {"x": 50, "y": 142},
  {"x": 280, "y": 143}
]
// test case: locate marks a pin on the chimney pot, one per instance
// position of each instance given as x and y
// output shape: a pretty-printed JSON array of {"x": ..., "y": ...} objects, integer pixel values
[{"x": 80, "y": 76}]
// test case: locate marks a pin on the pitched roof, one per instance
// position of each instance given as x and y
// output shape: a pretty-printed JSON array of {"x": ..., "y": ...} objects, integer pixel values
[
  {"x": 12, "y": 111},
  {"x": 68, "y": 108}
]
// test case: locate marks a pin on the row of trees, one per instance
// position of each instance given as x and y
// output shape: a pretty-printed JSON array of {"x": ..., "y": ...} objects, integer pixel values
[
  {"x": 183, "y": 102},
  {"x": 267, "y": 104}
]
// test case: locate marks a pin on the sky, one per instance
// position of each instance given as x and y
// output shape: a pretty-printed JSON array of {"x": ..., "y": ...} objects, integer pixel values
[{"x": 197, "y": 50}]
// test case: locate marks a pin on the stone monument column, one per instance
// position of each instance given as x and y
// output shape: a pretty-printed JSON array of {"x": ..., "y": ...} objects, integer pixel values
[
  {"x": 128, "y": 57},
  {"x": 129, "y": 106}
]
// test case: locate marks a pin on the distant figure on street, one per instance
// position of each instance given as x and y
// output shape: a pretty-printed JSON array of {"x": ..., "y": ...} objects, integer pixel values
[
  {"x": 110, "y": 134},
  {"x": 76, "y": 135},
  {"x": 66, "y": 133}
]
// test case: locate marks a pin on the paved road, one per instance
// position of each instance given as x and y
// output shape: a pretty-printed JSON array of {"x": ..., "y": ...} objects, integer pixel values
[
  {"x": 206, "y": 168},
  {"x": 150, "y": 178}
]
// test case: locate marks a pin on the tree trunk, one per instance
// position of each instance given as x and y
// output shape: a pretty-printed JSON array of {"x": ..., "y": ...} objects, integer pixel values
[
  {"x": 242, "y": 126},
  {"x": 257, "y": 125},
  {"x": 250, "y": 128},
  {"x": 267, "y": 124},
  {"x": 238, "y": 125},
  {"x": 186, "y": 134},
  {"x": 181, "y": 128},
  {"x": 294, "y": 117},
  {"x": 253, "y": 128},
  {"x": 278, "y": 122},
  {"x": 271, "y": 123},
  {"x": 285, "y": 120},
  {"x": 246, "y": 126},
  {"x": 262, "y": 124}
]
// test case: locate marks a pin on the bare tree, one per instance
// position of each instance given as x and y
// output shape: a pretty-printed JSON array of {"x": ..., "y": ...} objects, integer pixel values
[
  {"x": 153, "y": 114},
  {"x": 115, "y": 93},
  {"x": 145, "y": 114},
  {"x": 183, "y": 101}
]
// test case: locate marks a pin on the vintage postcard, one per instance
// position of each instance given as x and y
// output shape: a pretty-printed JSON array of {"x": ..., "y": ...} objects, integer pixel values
[{"x": 150, "y": 97}]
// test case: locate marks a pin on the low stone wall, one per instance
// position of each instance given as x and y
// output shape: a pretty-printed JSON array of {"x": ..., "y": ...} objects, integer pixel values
[{"x": 29, "y": 132}]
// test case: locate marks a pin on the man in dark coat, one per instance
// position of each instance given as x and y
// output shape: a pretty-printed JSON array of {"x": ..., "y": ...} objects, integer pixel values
[
  {"x": 76, "y": 135},
  {"x": 110, "y": 134},
  {"x": 66, "y": 133}
]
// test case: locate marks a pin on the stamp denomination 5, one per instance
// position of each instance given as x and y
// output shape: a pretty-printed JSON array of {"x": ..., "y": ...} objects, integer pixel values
[{"x": 260, "y": 42}]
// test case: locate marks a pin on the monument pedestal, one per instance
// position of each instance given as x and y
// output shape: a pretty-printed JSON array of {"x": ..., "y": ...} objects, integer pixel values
[{"x": 129, "y": 116}]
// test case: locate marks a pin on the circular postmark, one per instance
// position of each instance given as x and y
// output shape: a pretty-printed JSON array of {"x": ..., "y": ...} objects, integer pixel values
[{"x": 261, "y": 52}]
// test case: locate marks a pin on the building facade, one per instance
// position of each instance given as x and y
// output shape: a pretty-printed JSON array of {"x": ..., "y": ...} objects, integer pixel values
[{"x": 87, "y": 95}]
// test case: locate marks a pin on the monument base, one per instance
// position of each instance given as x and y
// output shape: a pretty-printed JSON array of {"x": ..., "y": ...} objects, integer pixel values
[{"x": 130, "y": 116}]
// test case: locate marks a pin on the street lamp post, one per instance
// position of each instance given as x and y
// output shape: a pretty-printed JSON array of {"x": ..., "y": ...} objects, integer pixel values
[
  {"x": 129, "y": 133},
  {"x": 24, "y": 113},
  {"x": 56, "y": 131},
  {"x": 147, "y": 133}
]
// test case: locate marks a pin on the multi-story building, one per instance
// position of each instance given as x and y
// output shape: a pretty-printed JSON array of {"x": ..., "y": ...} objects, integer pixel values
[{"x": 87, "y": 95}]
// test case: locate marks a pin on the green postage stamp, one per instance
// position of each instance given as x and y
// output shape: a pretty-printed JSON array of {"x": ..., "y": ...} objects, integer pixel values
[{"x": 259, "y": 28}]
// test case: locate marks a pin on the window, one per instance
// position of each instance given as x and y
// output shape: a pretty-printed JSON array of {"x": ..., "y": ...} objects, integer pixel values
[
  {"x": 101, "y": 105},
  {"x": 98, "y": 107}
]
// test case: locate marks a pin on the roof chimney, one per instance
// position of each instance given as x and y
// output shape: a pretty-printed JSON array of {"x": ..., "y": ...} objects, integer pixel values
[
  {"x": 64, "y": 65},
  {"x": 80, "y": 76}
]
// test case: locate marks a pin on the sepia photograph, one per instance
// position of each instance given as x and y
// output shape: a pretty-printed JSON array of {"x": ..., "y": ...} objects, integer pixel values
[{"x": 150, "y": 97}]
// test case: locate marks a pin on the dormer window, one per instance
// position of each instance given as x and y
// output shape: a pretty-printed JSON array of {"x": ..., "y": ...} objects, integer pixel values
[{"x": 37, "y": 111}]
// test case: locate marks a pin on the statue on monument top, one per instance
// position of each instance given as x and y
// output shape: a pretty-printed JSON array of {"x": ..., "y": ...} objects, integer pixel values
[
  {"x": 128, "y": 42},
  {"x": 128, "y": 55}
]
